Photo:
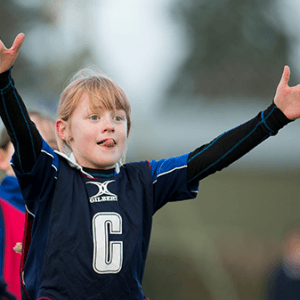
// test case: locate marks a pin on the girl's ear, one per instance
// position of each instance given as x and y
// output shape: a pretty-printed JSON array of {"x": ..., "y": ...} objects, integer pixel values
[{"x": 62, "y": 129}]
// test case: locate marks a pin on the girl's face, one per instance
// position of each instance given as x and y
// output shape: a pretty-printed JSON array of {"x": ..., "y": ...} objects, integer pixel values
[{"x": 97, "y": 138}]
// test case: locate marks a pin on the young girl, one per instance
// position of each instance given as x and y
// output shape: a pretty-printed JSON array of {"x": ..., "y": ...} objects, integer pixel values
[{"x": 93, "y": 215}]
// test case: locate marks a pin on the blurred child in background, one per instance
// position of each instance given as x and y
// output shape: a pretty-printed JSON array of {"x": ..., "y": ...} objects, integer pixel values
[
  {"x": 12, "y": 205},
  {"x": 284, "y": 282}
]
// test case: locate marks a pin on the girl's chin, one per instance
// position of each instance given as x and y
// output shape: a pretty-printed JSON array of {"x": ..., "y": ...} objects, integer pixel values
[{"x": 106, "y": 165}]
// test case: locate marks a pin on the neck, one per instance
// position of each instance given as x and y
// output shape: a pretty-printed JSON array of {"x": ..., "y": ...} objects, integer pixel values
[{"x": 100, "y": 172}]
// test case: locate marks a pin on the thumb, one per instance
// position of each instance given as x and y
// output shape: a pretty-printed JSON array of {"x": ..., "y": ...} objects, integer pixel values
[
  {"x": 285, "y": 77},
  {"x": 18, "y": 42}
]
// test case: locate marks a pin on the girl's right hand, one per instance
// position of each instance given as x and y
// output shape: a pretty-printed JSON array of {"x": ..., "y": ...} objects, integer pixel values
[{"x": 8, "y": 56}]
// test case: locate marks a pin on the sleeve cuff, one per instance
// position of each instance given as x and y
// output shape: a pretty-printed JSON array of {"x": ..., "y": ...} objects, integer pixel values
[
  {"x": 274, "y": 119},
  {"x": 5, "y": 79}
]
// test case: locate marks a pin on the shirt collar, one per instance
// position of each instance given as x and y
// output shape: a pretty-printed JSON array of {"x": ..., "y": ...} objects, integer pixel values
[{"x": 73, "y": 163}]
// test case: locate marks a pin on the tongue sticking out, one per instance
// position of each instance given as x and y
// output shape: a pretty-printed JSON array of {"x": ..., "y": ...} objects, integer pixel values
[{"x": 108, "y": 143}]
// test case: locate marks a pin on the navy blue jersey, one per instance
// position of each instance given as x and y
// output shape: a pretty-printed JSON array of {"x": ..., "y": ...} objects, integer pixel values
[{"x": 90, "y": 236}]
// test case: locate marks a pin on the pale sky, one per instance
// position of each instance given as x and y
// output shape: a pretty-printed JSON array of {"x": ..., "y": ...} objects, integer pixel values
[{"x": 141, "y": 46}]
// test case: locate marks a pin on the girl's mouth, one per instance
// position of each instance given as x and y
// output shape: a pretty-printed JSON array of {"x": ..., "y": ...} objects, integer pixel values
[{"x": 107, "y": 142}]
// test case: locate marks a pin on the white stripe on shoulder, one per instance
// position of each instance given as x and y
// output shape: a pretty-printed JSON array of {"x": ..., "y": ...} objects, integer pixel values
[
  {"x": 170, "y": 171},
  {"x": 29, "y": 211},
  {"x": 44, "y": 151},
  {"x": 47, "y": 153},
  {"x": 54, "y": 167}
]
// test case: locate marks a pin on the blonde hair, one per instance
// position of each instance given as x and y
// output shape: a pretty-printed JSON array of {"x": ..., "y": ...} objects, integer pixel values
[{"x": 102, "y": 92}]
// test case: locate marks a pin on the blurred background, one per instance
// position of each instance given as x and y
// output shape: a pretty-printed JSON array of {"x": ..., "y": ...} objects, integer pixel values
[{"x": 192, "y": 70}]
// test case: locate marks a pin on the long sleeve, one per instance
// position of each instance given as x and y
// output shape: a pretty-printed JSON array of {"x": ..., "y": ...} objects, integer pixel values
[
  {"x": 22, "y": 131},
  {"x": 233, "y": 144}
]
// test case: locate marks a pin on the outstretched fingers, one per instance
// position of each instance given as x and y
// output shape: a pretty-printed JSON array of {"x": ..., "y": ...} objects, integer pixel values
[
  {"x": 1, "y": 45},
  {"x": 18, "y": 42},
  {"x": 287, "y": 99},
  {"x": 285, "y": 77},
  {"x": 8, "y": 56}
]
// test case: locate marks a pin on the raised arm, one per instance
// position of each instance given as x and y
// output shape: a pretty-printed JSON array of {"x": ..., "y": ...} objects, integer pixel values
[
  {"x": 233, "y": 144},
  {"x": 23, "y": 133}
]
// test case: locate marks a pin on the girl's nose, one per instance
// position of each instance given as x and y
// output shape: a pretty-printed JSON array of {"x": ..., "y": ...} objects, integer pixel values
[{"x": 109, "y": 125}]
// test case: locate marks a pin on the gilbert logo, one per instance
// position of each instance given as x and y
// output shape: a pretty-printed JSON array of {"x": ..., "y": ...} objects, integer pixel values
[{"x": 103, "y": 194}]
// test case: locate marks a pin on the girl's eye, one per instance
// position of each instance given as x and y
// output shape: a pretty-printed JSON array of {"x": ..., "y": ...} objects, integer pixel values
[
  {"x": 118, "y": 118},
  {"x": 94, "y": 118}
]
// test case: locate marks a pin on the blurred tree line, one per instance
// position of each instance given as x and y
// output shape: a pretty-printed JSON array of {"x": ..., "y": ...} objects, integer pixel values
[
  {"x": 235, "y": 48},
  {"x": 39, "y": 72}
]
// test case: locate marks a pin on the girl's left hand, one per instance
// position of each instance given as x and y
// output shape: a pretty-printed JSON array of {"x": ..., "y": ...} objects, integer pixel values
[{"x": 287, "y": 99}]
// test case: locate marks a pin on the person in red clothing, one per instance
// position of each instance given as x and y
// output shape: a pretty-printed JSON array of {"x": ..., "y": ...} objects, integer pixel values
[{"x": 12, "y": 206}]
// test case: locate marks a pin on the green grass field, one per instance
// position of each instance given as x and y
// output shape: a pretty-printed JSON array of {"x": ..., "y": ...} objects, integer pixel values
[{"x": 224, "y": 244}]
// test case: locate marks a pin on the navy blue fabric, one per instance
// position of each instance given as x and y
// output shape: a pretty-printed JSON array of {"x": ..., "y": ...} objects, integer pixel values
[
  {"x": 64, "y": 211},
  {"x": 283, "y": 287},
  {"x": 38, "y": 187}
]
